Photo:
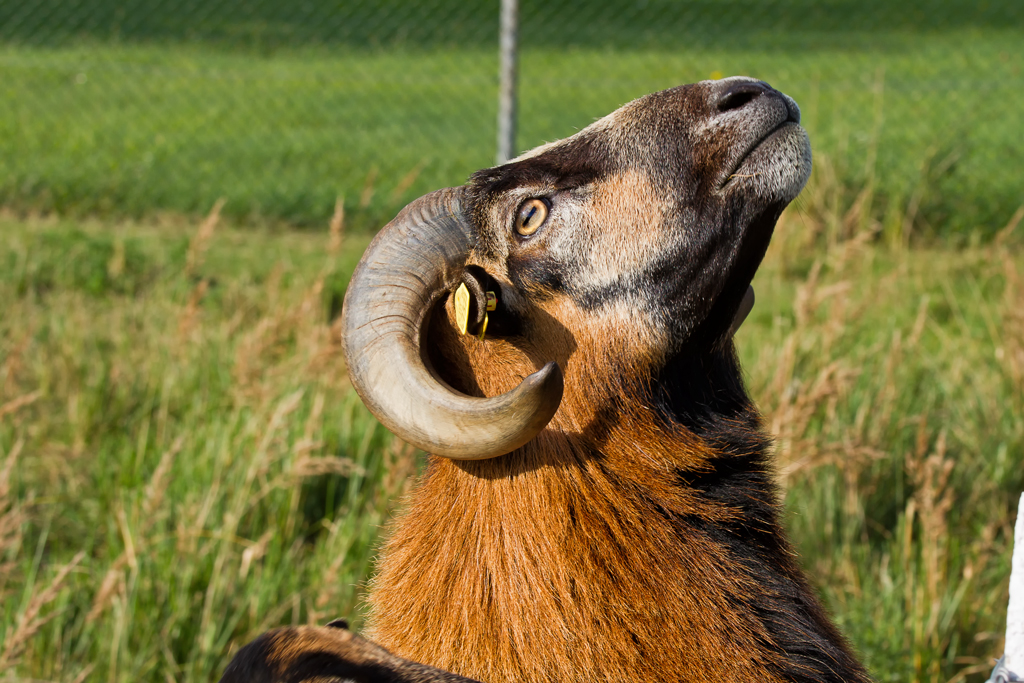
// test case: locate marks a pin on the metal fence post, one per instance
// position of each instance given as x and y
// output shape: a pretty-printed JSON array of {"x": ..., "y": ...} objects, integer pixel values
[{"x": 507, "y": 100}]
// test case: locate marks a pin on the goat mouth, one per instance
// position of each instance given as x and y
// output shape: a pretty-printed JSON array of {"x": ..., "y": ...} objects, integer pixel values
[
  {"x": 775, "y": 167},
  {"x": 738, "y": 170}
]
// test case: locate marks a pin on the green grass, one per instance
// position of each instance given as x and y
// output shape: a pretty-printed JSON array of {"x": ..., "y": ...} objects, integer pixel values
[
  {"x": 281, "y": 111},
  {"x": 183, "y": 463},
  {"x": 893, "y": 381},
  {"x": 130, "y": 352},
  {"x": 131, "y": 130}
]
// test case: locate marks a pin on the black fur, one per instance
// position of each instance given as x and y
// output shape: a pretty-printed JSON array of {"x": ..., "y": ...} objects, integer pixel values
[{"x": 704, "y": 393}]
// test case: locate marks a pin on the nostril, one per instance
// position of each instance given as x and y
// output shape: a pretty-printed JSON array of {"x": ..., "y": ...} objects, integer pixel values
[{"x": 739, "y": 95}]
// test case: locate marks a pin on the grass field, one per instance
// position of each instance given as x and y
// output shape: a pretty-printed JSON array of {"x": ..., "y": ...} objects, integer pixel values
[
  {"x": 282, "y": 111},
  {"x": 183, "y": 464},
  {"x": 182, "y": 461}
]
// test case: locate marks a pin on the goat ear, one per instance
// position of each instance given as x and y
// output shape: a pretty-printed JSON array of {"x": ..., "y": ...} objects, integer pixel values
[
  {"x": 743, "y": 311},
  {"x": 479, "y": 309}
]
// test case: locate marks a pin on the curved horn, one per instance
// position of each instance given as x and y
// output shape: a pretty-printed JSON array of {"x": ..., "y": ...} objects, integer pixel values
[{"x": 416, "y": 259}]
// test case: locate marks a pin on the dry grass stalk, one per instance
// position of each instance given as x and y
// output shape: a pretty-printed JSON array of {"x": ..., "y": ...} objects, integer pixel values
[
  {"x": 200, "y": 242},
  {"x": 791, "y": 419},
  {"x": 83, "y": 674},
  {"x": 821, "y": 199},
  {"x": 5, "y": 473},
  {"x": 1003, "y": 236},
  {"x": 328, "y": 592},
  {"x": 254, "y": 553},
  {"x": 308, "y": 315},
  {"x": 807, "y": 301},
  {"x": 262, "y": 458},
  {"x": 402, "y": 462},
  {"x": 919, "y": 322},
  {"x": 157, "y": 485},
  {"x": 851, "y": 251},
  {"x": 315, "y": 467},
  {"x": 126, "y": 536},
  {"x": 929, "y": 470},
  {"x": 313, "y": 421},
  {"x": 275, "y": 615},
  {"x": 116, "y": 264},
  {"x": 253, "y": 356},
  {"x": 31, "y": 620},
  {"x": 857, "y": 220},
  {"x": 887, "y": 396},
  {"x": 336, "y": 237},
  {"x": 406, "y": 182},
  {"x": 109, "y": 588},
  {"x": 914, "y": 203},
  {"x": 113, "y": 581},
  {"x": 337, "y": 227},
  {"x": 14, "y": 365},
  {"x": 265, "y": 356},
  {"x": 292, "y": 339},
  {"x": 16, "y": 404},
  {"x": 305, "y": 465},
  {"x": 793, "y": 403},
  {"x": 1011, "y": 351},
  {"x": 11, "y": 515},
  {"x": 324, "y": 358},
  {"x": 189, "y": 317},
  {"x": 366, "y": 196}
]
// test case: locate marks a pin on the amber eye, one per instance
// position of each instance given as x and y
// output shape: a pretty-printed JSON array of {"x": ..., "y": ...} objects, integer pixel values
[{"x": 531, "y": 215}]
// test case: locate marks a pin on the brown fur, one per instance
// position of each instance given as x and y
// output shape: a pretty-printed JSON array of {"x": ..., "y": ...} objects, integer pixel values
[{"x": 609, "y": 590}]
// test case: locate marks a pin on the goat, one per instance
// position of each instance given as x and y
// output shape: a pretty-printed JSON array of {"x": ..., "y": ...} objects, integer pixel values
[{"x": 610, "y": 512}]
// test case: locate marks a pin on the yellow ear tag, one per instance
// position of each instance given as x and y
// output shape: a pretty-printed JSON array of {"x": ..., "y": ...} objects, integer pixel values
[
  {"x": 483, "y": 328},
  {"x": 492, "y": 304},
  {"x": 462, "y": 308}
]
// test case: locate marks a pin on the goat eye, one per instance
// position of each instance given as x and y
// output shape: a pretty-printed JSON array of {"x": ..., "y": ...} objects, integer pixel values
[{"x": 531, "y": 215}]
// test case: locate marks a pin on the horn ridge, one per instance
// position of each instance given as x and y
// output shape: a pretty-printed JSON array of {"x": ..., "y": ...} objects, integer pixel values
[{"x": 409, "y": 266}]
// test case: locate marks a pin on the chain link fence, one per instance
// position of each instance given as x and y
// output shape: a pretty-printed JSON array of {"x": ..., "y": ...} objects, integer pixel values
[{"x": 135, "y": 107}]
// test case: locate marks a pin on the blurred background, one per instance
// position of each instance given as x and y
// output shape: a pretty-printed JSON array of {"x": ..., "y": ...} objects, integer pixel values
[
  {"x": 130, "y": 107},
  {"x": 186, "y": 186}
]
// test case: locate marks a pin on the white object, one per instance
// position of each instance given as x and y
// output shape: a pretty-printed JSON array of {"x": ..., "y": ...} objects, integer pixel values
[{"x": 1014, "y": 657}]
